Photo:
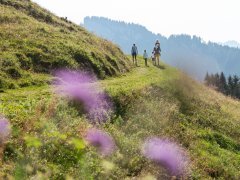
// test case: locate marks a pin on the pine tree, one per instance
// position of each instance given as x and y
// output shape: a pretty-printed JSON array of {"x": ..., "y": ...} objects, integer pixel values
[
  {"x": 207, "y": 80},
  {"x": 235, "y": 86},
  {"x": 222, "y": 84},
  {"x": 230, "y": 86},
  {"x": 238, "y": 91},
  {"x": 216, "y": 82}
]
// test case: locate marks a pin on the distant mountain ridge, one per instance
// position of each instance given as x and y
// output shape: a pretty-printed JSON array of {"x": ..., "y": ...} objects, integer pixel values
[
  {"x": 189, "y": 53},
  {"x": 233, "y": 44}
]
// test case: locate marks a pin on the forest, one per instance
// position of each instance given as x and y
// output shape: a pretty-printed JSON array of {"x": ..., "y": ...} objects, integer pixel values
[{"x": 229, "y": 86}]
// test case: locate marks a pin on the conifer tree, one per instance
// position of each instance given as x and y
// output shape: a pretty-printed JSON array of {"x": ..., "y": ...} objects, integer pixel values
[
  {"x": 230, "y": 85},
  {"x": 217, "y": 81},
  {"x": 222, "y": 83},
  {"x": 207, "y": 80},
  {"x": 235, "y": 86}
]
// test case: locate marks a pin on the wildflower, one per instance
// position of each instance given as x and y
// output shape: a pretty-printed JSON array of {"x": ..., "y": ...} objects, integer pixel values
[
  {"x": 167, "y": 154},
  {"x": 101, "y": 140},
  {"x": 5, "y": 130},
  {"x": 83, "y": 87}
]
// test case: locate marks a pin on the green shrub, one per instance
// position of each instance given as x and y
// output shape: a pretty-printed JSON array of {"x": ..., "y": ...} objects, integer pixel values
[
  {"x": 49, "y": 18},
  {"x": 8, "y": 63},
  {"x": 13, "y": 72},
  {"x": 12, "y": 86},
  {"x": 226, "y": 142},
  {"x": 25, "y": 63},
  {"x": 3, "y": 83}
]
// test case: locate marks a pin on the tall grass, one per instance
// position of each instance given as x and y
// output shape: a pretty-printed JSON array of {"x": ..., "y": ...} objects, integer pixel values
[
  {"x": 34, "y": 40},
  {"x": 48, "y": 131}
]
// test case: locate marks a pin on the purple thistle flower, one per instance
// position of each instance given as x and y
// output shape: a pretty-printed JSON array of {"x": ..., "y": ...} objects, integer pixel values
[
  {"x": 101, "y": 110},
  {"x": 167, "y": 154},
  {"x": 83, "y": 87},
  {"x": 5, "y": 130},
  {"x": 101, "y": 140}
]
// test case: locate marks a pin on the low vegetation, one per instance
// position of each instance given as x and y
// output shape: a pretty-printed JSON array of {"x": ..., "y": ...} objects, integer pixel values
[
  {"x": 48, "y": 131},
  {"x": 34, "y": 43}
]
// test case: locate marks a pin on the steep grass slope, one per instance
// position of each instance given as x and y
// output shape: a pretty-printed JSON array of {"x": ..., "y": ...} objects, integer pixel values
[
  {"x": 48, "y": 131},
  {"x": 34, "y": 42}
]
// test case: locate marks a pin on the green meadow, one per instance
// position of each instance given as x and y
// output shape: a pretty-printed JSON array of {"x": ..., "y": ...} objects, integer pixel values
[{"x": 47, "y": 139}]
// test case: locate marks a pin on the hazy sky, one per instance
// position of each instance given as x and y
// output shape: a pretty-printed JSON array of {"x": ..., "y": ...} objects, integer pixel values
[{"x": 215, "y": 20}]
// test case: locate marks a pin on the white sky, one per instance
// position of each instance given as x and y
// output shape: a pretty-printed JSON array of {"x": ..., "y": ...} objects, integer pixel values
[{"x": 215, "y": 20}]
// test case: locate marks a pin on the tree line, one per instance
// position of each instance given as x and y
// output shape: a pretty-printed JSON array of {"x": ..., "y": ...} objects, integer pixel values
[{"x": 229, "y": 86}]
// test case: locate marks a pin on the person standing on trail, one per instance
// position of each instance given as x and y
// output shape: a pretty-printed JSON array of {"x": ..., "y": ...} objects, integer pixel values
[
  {"x": 157, "y": 52},
  {"x": 134, "y": 53},
  {"x": 153, "y": 59},
  {"x": 145, "y": 57}
]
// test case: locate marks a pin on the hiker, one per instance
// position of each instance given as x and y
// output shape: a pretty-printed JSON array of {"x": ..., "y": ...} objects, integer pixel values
[
  {"x": 157, "y": 52},
  {"x": 145, "y": 57},
  {"x": 134, "y": 54},
  {"x": 153, "y": 59}
]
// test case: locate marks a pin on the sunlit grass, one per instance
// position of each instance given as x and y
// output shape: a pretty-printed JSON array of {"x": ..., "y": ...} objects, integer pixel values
[
  {"x": 32, "y": 44},
  {"x": 48, "y": 131},
  {"x": 150, "y": 101}
]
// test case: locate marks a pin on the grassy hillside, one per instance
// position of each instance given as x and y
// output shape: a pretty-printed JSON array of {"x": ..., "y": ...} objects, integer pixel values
[
  {"x": 34, "y": 42},
  {"x": 48, "y": 131}
]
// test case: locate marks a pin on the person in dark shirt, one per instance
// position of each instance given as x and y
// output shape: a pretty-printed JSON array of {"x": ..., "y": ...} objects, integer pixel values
[{"x": 134, "y": 53}]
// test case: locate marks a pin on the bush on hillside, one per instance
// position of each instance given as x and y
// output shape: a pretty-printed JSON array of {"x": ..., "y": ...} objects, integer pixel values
[
  {"x": 14, "y": 72},
  {"x": 40, "y": 15},
  {"x": 61, "y": 63},
  {"x": 37, "y": 57},
  {"x": 8, "y": 61},
  {"x": 25, "y": 63},
  {"x": 2, "y": 83},
  {"x": 7, "y": 19},
  {"x": 84, "y": 59},
  {"x": 49, "y": 18}
]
